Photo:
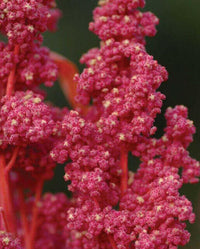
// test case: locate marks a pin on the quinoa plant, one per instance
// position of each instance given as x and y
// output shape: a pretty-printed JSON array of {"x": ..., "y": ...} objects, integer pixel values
[{"x": 114, "y": 101}]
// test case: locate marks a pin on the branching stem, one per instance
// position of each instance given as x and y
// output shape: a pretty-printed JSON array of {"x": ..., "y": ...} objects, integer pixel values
[
  {"x": 3, "y": 222},
  {"x": 6, "y": 197},
  {"x": 12, "y": 160},
  {"x": 11, "y": 77}
]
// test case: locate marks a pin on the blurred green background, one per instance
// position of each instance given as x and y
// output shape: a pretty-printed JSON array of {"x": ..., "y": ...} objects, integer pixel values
[{"x": 176, "y": 46}]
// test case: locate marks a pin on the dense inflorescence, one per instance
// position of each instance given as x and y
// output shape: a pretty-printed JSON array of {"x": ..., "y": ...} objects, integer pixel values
[
  {"x": 52, "y": 220},
  {"x": 115, "y": 208},
  {"x": 25, "y": 119},
  {"x": 7, "y": 241},
  {"x": 24, "y": 42},
  {"x": 27, "y": 124},
  {"x": 121, "y": 20},
  {"x": 115, "y": 109}
]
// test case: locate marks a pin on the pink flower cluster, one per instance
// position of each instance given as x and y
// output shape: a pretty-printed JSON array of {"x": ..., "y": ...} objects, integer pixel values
[
  {"x": 7, "y": 241},
  {"x": 22, "y": 22},
  {"x": 52, "y": 220},
  {"x": 25, "y": 119},
  {"x": 116, "y": 19},
  {"x": 117, "y": 103},
  {"x": 27, "y": 124}
]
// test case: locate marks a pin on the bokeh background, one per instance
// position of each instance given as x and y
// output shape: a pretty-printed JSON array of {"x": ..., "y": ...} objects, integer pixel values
[{"x": 176, "y": 46}]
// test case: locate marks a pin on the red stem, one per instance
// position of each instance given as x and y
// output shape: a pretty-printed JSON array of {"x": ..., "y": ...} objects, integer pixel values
[
  {"x": 112, "y": 242},
  {"x": 11, "y": 77},
  {"x": 124, "y": 168},
  {"x": 23, "y": 216},
  {"x": 12, "y": 160},
  {"x": 6, "y": 197},
  {"x": 34, "y": 223},
  {"x": 3, "y": 222}
]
